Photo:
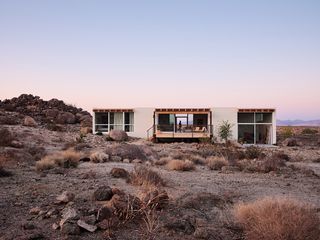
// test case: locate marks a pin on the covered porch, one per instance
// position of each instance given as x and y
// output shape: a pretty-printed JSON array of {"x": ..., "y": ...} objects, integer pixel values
[{"x": 183, "y": 123}]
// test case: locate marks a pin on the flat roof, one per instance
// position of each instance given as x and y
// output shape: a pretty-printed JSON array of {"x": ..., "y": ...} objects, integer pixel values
[
  {"x": 112, "y": 110},
  {"x": 182, "y": 110},
  {"x": 250, "y": 110}
]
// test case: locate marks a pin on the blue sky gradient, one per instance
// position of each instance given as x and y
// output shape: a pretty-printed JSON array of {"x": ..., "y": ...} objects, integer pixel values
[{"x": 164, "y": 53}]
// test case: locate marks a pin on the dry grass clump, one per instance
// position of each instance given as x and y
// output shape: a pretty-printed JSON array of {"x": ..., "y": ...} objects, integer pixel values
[
  {"x": 278, "y": 219},
  {"x": 144, "y": 176},
  {"x": 272, "y": 163},
  {"x": 180, "y": 165},
  {"x": 99, "y": 157},
  {"x": 216, "y": 163},
  {"x": 66, "y": 159}
]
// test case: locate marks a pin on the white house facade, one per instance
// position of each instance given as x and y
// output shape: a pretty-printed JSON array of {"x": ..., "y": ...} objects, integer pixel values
[{"x": 249, "y": 126}]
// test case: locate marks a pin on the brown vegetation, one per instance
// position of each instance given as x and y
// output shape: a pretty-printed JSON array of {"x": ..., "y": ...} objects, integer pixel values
[
  {"x": 144, "y": 176},
  {"x": 278, "y": 218},
  {"x": 216, "y": 163},
  {"x": 66, "y": 159},
  {"x": 180, "y": 165}
]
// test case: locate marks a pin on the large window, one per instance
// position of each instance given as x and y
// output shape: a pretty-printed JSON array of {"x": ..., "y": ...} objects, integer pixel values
[
  {"x": 107, "y": 121},
  {"x": 254, "y": 128}
]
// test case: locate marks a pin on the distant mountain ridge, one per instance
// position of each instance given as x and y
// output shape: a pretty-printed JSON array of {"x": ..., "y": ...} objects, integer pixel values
[{"x": 298, "y": 122}]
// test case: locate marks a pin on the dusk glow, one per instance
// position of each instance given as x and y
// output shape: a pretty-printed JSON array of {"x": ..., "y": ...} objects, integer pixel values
[{"x": 164, "y": 53}]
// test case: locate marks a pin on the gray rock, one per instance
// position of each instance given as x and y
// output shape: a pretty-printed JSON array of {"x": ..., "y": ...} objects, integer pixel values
[
  {"x": 103, "y": 193},
  {"x": 118, "y": 135},
  {"x": 86, "y": 226},
  {"x": 65, "y": 197},
  {"x": 29, "y": 122},
  {"x": 116, "y": 158}
]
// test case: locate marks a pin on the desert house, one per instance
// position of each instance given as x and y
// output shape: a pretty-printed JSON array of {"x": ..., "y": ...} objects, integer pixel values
[{"x": 249, "y": 126}]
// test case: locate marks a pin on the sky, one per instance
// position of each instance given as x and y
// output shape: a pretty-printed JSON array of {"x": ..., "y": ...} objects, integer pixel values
[{"x": 168, "y": 53}]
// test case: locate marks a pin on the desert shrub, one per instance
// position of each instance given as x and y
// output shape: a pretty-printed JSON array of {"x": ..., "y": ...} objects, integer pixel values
[
  {"x": 99, "y": 157},
  {"x": 253, "y": 152},
  {"x": 309, "y": 131},
  {"x": 162, "y": 161},
  {"x": 225, "y": 131},
  {"x": 216, "y": 163},
  {"x": 271, "y": 163},
  {"x": 4, "y": 173},
  {"x": 278, "y": 218},
  {"x": 144, "y": 176},
  {"x": 287, "y": 132},
  {"x": 6, "y": 137},
  {"x": 66, "y": 159},
  {"x": 180, "y": 165}
]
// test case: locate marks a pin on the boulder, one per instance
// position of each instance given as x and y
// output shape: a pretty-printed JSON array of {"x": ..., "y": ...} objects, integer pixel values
[
  {"x": 65, "y": 197},
  {"x": 51, "y": 113},
  {"x": 86, "y": 121},
  {"x": 119, "y": 173},
  {"x": 118, "y": 135},
  {"x": 103, "y": 193},
  {"x": 29, "y": 122},
  {"x": 34, "y": 211},
  {"x": 66, "y": 118}
]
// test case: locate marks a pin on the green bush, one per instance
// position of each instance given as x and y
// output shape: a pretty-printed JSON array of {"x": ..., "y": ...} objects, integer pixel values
[{"x": 287, "y": 132}]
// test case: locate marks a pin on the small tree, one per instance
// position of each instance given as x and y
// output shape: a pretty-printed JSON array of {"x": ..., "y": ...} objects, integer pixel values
[{"x": 225, "y": 131}]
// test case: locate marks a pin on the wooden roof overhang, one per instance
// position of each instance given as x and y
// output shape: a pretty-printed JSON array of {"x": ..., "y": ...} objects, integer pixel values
[
  {"x": 112, "y": 110},
  {"x": 183, "y": 110},
  {"x": 259, "y": 110}
]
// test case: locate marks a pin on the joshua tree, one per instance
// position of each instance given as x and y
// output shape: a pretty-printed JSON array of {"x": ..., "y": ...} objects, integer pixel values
[{"x": 225, "y": 130}]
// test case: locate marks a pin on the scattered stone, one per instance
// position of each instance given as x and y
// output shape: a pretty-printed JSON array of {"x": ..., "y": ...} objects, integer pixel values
[
  {"x": 86, "y": 226},
  {"x": 118, "y": 135},
  {"x": 35, "y": 211},
  {"x": 119, "y": 173},
  {"x": 55, "y": 226},
  {"x": 65, "y": 197},
  {"x": 68, "y": 214},
  {"x": 16, "y": 144},
  {"x": 28, "y": 226},
  {"x": 29, "y": 122},
  {"x": 103, "y": 193}
]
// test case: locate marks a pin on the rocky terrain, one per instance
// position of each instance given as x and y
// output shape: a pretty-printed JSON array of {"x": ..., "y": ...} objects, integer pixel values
[{"x": 59, "y": 181}]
